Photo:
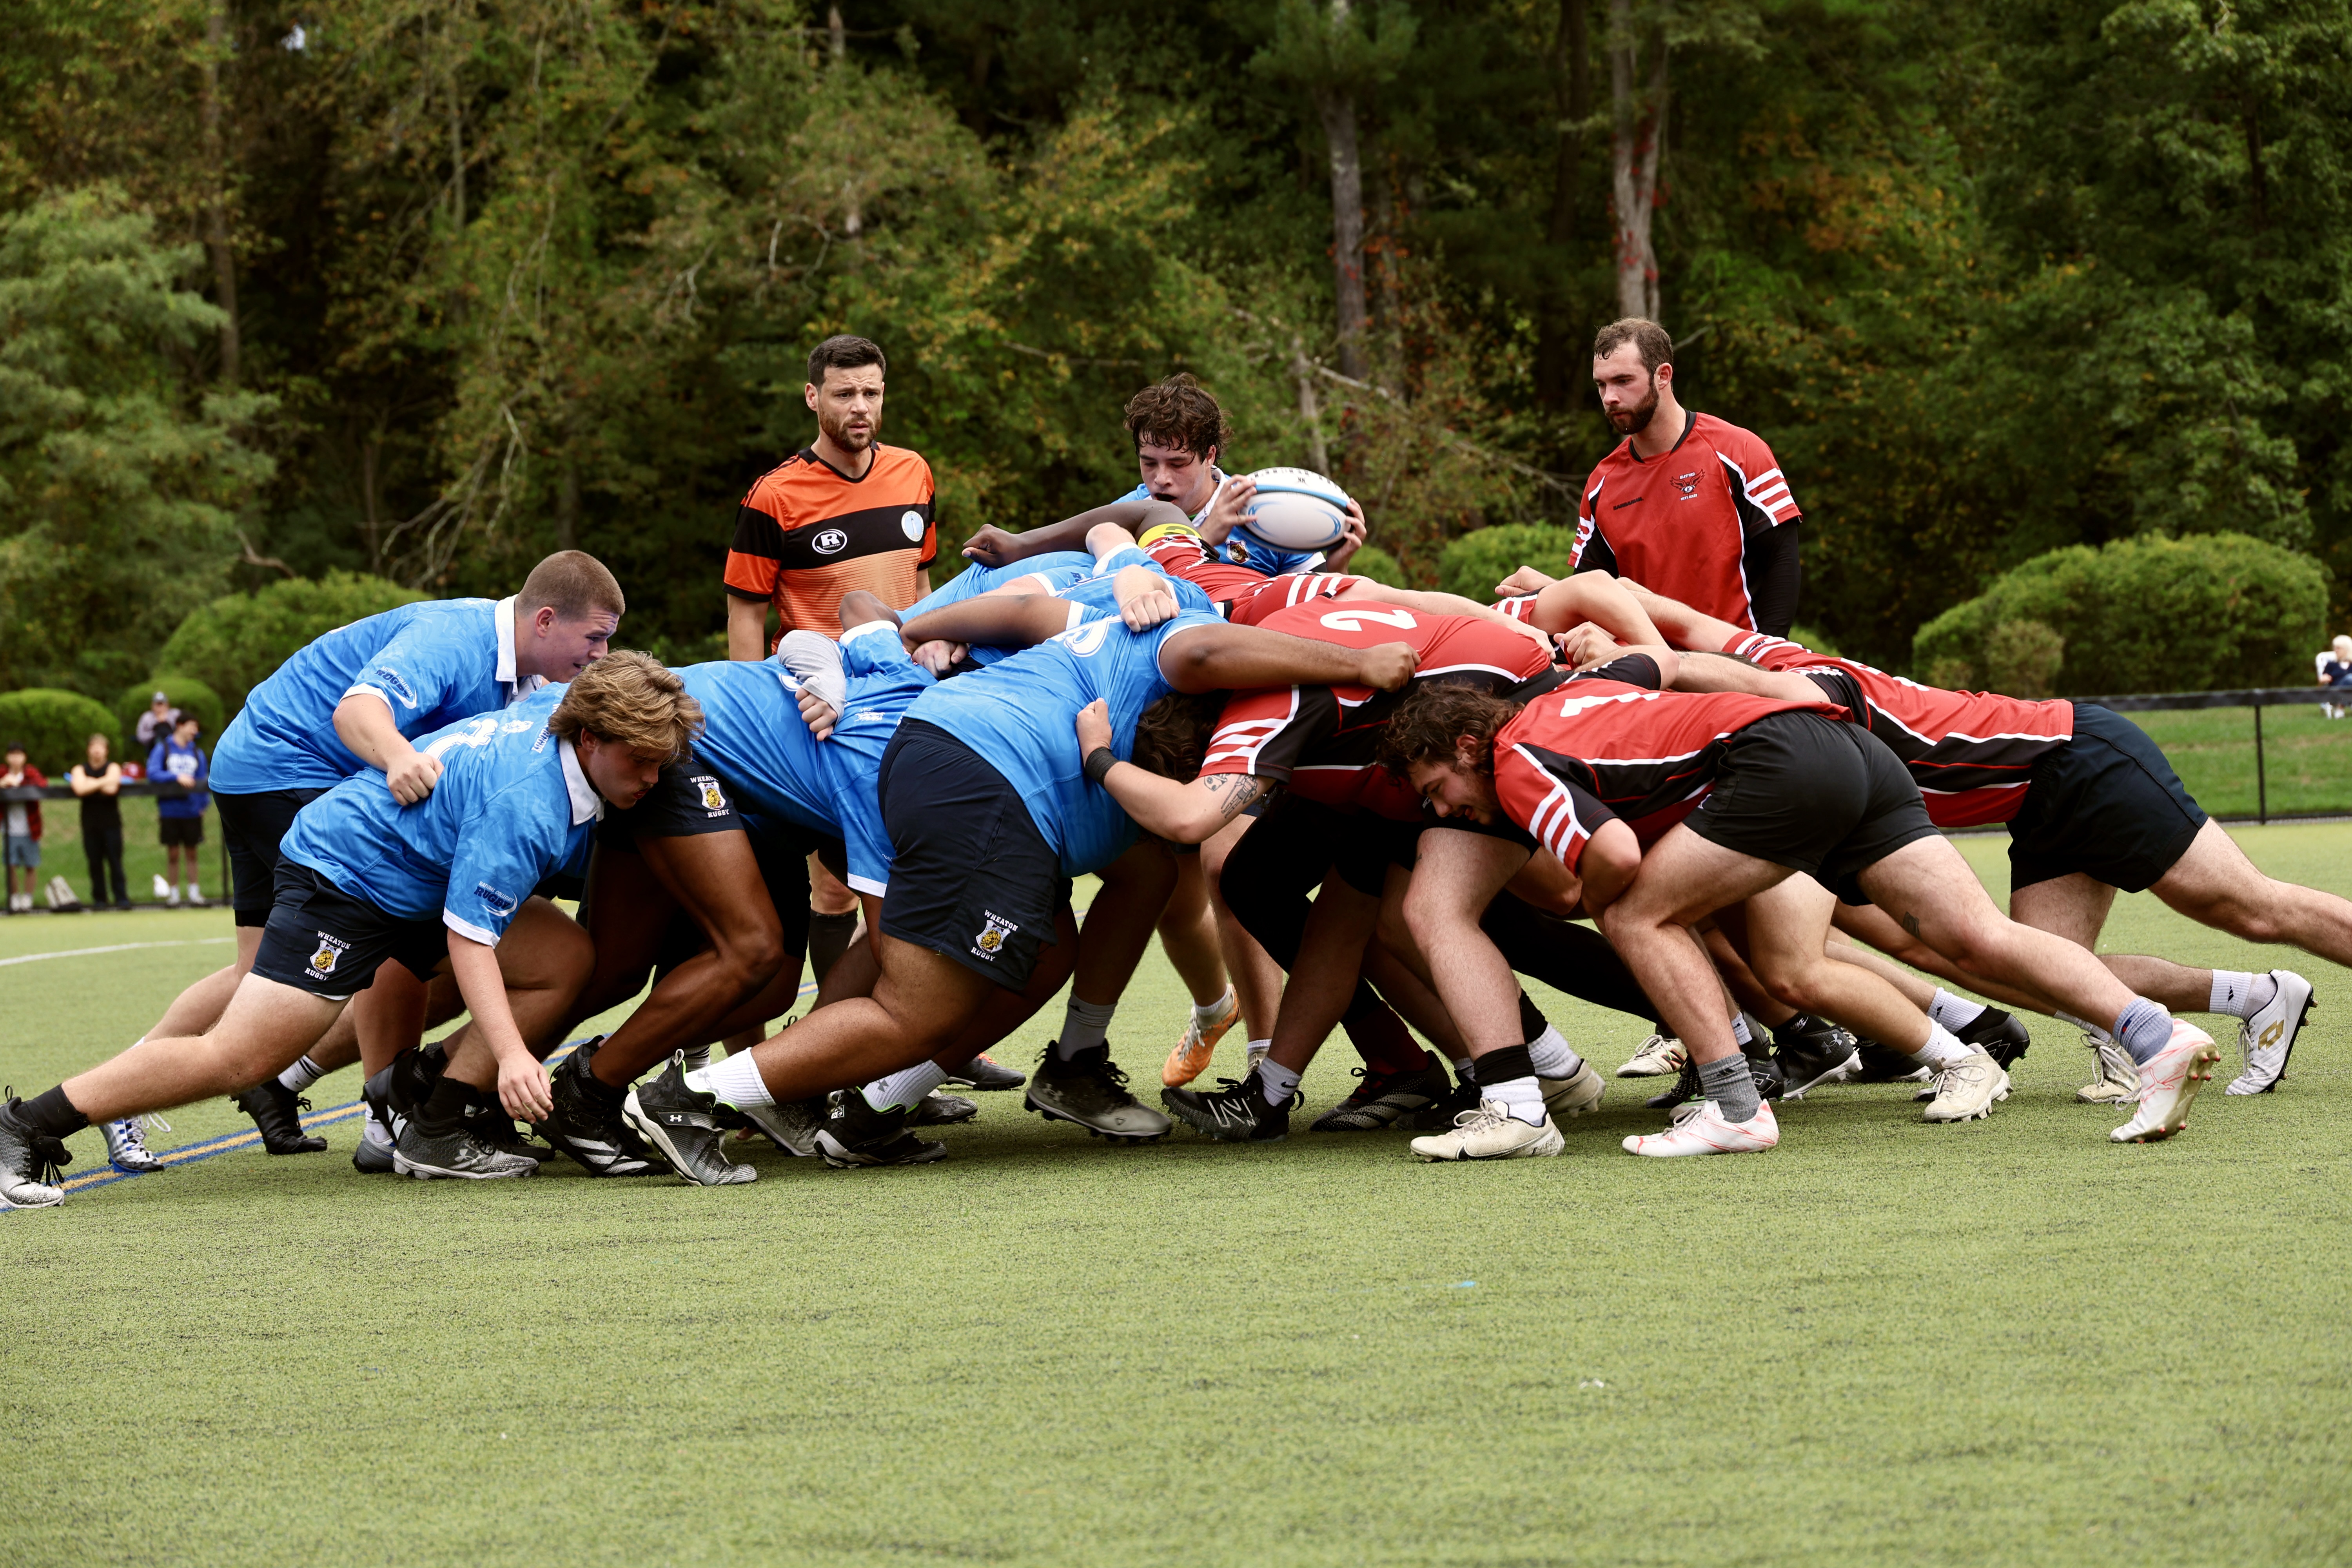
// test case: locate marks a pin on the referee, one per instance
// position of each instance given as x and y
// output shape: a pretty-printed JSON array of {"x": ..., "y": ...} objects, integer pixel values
[{"x": 843, "y": 512}]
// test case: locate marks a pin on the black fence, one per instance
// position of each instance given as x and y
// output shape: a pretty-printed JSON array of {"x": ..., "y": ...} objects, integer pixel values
[
  {"x": 2255, "y": 698},
  {"x": 161, "y": 789}
]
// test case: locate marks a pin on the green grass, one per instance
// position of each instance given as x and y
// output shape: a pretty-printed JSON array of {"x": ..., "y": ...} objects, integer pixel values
[
  {"x": 1883, "y": 1342},
  {"x": 2306, "y": 758}
]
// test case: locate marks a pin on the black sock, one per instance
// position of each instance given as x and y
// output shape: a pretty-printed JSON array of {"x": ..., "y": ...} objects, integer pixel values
[
  {"x": 447, "y": 1107},
  {"x": 53, "y": 1114},
  {"x": 829, "y": 937},
  {"x": 1501, "y": 1067},
  {"x": 1794, "y": 1030},
  {"x": 1532, "y": 1023}
]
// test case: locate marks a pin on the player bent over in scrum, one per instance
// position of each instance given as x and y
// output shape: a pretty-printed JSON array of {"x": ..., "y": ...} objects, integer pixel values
[
  {"x": 991, "y": 811},
  {"x": 363, "y": 881},
  {"x": 1788, "y": 787}
]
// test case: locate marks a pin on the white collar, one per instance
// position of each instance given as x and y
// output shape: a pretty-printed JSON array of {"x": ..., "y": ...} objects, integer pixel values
[
  {"x": 587, "y": 805},
  {"x": 502, "y": 617}
]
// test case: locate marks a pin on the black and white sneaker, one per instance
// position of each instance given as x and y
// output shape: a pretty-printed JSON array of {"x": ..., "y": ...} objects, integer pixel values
[
  {"x": 938, "y": 1110},
  {"x": 30, "y": 1160},
  {"x": 1240, "y": 1112},
  {"x": 1813, "y": 1052},
  {"x": 681, "y": 1126},
  {"x": 587, "y": 1123},
  {"x": 382, "y": 1134},
  {"x": 455, "y": 1153},
  {"x": 1998, "y": 1034},
  {"x": 1882, "y": 1064},
  {"x": 862, "y": 1135},
  {"x": 278, "y": 1111},
  {"x": 986, "y": 1077},
  {"x": 1441, "y": 1114},
  {"x": 1383, "y": 1099},
  {"x": 791, "y": 1126},
  {"x": 1089, "y": 1089}
]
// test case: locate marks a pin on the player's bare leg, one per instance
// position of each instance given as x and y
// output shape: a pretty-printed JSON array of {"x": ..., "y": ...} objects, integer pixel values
[
  {"x": 1190, "y": 937},
  {"x": 264, "y": 1027},
  {"x": 1256, "y": 977}
]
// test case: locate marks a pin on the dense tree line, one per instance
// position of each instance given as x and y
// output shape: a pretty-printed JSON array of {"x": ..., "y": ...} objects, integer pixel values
[{"x": 424, "y": 287}]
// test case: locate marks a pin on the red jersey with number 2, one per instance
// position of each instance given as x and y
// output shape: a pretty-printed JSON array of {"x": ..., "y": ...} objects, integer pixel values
[{"x": 1321, "y": 740}]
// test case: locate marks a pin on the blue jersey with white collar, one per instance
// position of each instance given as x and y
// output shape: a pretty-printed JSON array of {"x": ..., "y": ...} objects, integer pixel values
[
  {"x": 1020, "y": 715},
  {"x": 431, "y": 663},
  {"x": 511, "y": 807},
  {"x": 1060, "y": 568},
  {"x": 1096, "y": 596},
  {"x": 753, "y": 738}
]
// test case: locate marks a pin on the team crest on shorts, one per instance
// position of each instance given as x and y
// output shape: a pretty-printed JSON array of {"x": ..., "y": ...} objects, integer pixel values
[
  {"x": 322, "y": 962},
  {"x": 991, "y": 940},
  {"x": 713, "y": 801}
]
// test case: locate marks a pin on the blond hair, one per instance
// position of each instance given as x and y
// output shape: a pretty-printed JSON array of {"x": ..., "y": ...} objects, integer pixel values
[
  {"x": 628, "y": 698},
  {"x": 574, "y": 585}
]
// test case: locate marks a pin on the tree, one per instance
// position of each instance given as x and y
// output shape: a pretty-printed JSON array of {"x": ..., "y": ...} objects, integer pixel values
[{"x": 119, "y": 489}]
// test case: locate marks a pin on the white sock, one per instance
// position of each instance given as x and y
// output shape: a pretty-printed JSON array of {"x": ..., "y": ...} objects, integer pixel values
[
  {"x": 196, "y": 891},
  {"x": 372, "y": 1132},
  {"x": 1214, "y": 1012},
  {"x": 302, "y": 1074},
  {"x": 1740, "y": 1036},
  {"x": 1941, "y": 1050},
  {"x": 1522, "y": 1097},
  {"x": 903, "y": 1089},
  {"x": 1552, "y": 1055},
  {"x": 736, "y": 1081},
  {"x": 1278, "y": 1081},
  {"x": 2241, "y": 995},
  {"x": 1084, "y": 1025},
  {"x": 1954, "y": 1013}
]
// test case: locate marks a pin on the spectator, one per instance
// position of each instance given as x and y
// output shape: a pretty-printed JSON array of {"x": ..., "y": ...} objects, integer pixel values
[
  {"x": 97, "y": 781},
  {"x": 2336, "y": 673},
  {"x": 178, "y": 758},
  {"x": 156, "y": 724},
  {"x": 21, "y": 824}
]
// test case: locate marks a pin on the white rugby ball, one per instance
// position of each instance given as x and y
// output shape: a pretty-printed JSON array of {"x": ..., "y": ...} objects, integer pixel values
[{"x": 1295, "y": 509}]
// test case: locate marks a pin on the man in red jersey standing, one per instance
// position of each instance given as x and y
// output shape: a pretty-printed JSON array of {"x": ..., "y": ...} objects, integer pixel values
[{"x": 1691, "y": 506}]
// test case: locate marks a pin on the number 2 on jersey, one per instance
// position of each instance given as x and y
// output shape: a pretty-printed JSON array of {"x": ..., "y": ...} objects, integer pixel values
[{"x": 1353, "y": 618}]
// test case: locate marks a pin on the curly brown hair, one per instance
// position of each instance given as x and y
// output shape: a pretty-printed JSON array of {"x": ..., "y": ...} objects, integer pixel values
[
  {"x": 1179, "y": 412},
  {"x": 1172, "y": 736},
  {"x": 628, "y": 698},
  {"x": 1434, "y": 715}
]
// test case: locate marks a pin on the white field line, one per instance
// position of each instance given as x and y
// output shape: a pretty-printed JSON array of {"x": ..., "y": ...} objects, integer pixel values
[{"x": 117, "y": 947}]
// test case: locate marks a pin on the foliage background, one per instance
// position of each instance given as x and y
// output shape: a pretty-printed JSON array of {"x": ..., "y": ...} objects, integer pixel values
[{"x": 421, "y": 289}]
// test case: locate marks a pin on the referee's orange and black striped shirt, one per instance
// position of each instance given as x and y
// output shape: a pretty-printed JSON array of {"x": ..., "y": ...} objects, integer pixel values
[{"x": 808, "y": 533}]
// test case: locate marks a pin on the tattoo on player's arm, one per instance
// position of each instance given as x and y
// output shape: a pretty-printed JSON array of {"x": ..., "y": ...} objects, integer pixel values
[
  {"x": 1235, "y": 793},
  {"x": 1911, "y": 924}
]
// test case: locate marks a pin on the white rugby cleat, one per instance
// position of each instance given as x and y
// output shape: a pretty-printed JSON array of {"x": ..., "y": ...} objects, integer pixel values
[
  {"x": 2268, "y": 1038},
  {"x": 1699, "y": 1128},
  {"x": 1966, "y": 1089},
  {"x": 1491, "y": 1133},
  {"x": 2168, "y": 1082},
  {"x": 1660, "y": 1056}
]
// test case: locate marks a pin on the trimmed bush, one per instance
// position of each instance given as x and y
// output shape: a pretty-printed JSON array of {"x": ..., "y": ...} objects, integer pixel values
[
  {"x": 1378, "y": 564},
  {"x": 2207, "y": 614},
  {"x": 54, "y": 726},
  {"x": 1475, "y": 562},
  {"x": 188, "y": 694},
  {"x": 236, "y": 642}
]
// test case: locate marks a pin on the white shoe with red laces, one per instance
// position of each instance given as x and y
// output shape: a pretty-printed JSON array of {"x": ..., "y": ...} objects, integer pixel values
[
  {"x": 1699, "y": 1128},
  {"x": 2167, "y": 1083}
]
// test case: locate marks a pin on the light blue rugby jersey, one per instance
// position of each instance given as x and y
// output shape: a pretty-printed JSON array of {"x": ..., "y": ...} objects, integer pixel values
[
  {"x": 753, "y": 739},
  {"x": 511, "y": 807},
  {"x": 1097, "y": 597},
  {"x": 1020, "y": 716},
  {"x": 1059, "y": 567},
  {"x": 432, "y": 663}
]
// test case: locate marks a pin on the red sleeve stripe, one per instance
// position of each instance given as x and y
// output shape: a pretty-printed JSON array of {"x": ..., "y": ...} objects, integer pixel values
[{"x": 1554, "y": 819}]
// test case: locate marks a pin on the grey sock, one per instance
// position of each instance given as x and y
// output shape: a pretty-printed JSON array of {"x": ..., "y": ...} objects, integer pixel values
[{"x": 1731, "y": 1086}]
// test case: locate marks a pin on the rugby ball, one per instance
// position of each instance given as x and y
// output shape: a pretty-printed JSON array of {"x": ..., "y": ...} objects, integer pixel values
[{"x": 1295, "y": 509}]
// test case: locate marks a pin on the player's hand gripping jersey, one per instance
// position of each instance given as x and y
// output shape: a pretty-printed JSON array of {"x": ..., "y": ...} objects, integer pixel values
[
  {"x": 1016, "y": 715},
  {"x": 1056, "y": 570},
  {"x": 432, "y": 664},
  {"x": 512, "y": 806},
  {"x": 1093, "y": 596},
  {"x": 1321, "y": 740},
  {"x": 1609, "y": 744},
  {"x": 1245, "y": 588},
  {"x": 1970, "y": 752},
  {"x": 753, "y": 738}
]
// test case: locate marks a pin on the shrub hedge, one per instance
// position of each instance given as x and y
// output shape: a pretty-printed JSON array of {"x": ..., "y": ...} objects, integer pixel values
[
  {"x": 54, "y": 727},
  {"x": 1473, "y": 564},
  {"x": 234, "y": 644},
  {"x": 187, "y": 694}
]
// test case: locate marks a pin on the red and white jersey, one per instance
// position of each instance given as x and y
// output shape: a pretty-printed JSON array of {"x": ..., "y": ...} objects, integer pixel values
[
  {"x": 1678, "y": 523},
  {"x": 1970, "y": 752},
  {"x": 1609, "y": 740},
  {"x": 1287, "y": 592},
  {"x": 1322, "y": 741},
  {"x": 1243, "y": 595}
]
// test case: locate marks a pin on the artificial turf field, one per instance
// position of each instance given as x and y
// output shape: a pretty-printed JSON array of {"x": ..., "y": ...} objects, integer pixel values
[{"x": 2009, "y": 1341}]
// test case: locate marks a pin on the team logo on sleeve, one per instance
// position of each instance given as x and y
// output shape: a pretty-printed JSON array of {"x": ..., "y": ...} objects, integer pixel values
[
  {"x": 714, "y": 802},
  {"x": 912, "y": 523},
  {"x": 497, "y": 900},
  {"x": 391, "y": 681},
  {"x": 331, "y": 950},
  {"x": 991, "y": 940}
]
